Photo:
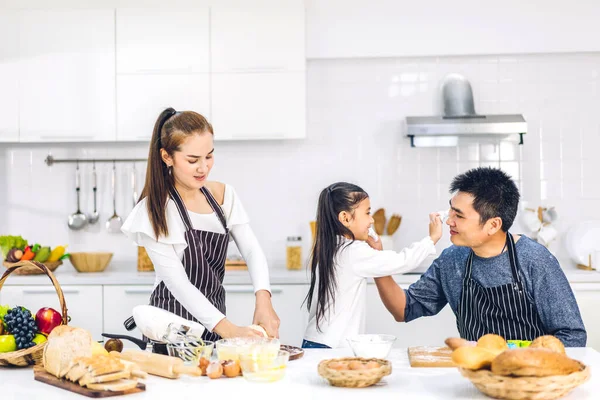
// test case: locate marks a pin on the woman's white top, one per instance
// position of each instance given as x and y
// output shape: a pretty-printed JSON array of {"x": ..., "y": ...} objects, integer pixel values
[
  {"x": 166, "y": 253},
  {"x": 354, "y": 263}
]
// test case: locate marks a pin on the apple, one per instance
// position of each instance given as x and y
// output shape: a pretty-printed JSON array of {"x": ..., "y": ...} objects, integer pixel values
[{"x": 47, "y": 319}]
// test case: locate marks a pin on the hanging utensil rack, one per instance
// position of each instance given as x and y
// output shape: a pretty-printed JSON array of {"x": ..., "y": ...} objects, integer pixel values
[{"x": 51, "y": 160}]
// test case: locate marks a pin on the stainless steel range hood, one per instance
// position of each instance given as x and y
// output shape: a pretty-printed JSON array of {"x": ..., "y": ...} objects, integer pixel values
[{"x": 460, "y": 121}]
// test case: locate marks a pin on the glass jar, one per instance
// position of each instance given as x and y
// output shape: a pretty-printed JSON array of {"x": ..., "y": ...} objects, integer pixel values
[{"x": 294, "y": 252}]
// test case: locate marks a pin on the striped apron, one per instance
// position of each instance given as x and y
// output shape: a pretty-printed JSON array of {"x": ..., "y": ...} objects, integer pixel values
[
  {"x": 203, "y": 261},
  {"x": 505, "y": 310}
]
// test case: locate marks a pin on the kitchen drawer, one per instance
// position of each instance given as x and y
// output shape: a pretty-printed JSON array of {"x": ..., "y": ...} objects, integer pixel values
[
  {"x": 84, "y": 303},
  {"x": 287, "y": 301},
  {"x": 118, "y": 303}
]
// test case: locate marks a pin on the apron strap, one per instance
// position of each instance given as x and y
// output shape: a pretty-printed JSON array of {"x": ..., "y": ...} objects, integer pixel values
[
  {"x": 185, "y": 217},
  {"x": 514, "y": 262},
  {"x": 215, "y": 206}
]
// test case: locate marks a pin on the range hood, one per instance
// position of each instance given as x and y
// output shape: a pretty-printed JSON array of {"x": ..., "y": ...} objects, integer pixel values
[{"x": 460, "y": 121}]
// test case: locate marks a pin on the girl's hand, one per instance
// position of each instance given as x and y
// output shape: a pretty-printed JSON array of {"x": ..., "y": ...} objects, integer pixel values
[
  {"x": 265, "y": 315},
  {"x": 374, "y": 244},
  {"x": 435, "y": 227}
]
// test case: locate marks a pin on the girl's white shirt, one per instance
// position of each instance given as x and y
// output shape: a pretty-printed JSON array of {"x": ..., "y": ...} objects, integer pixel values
[
  {"x": 355, "y": 262},
  {"x": 166, "y": 253}
]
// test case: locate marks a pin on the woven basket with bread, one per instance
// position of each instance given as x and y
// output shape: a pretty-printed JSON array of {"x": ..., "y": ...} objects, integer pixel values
[
  {"x": 542, "y": 371},
  {"x": 354, "y": 372}
]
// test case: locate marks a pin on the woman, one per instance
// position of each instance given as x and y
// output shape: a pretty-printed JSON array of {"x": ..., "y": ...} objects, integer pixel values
[{"x": 185, "y": 221}]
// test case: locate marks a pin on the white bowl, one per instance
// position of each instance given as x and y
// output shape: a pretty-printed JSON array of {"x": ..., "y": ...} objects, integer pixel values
[{"x": 371, "y": 346}]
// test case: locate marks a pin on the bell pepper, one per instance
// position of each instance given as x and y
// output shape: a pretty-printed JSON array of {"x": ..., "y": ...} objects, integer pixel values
[{"x": 27, "y": 254}]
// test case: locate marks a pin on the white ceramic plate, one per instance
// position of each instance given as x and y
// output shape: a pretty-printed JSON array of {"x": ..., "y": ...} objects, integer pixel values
[{"x": 582, "y": 241}]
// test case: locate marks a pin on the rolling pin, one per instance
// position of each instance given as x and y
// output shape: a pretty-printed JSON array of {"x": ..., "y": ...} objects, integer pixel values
[{"x": 158, "y": 364}]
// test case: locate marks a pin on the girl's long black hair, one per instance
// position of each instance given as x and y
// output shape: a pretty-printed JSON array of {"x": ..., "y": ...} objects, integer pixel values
[{"x": 338, "y": 197}]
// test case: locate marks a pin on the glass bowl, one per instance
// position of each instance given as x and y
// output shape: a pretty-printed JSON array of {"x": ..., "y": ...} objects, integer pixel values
[
  {"x": 230, "y": 349},
  {"x": 371, "y": 346},
  {"x": 191, "y": 352},
  {"x": 264, "y": 367}
]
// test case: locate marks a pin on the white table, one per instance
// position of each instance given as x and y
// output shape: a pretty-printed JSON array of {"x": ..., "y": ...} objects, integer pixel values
[{"x": 302, "y": 381}]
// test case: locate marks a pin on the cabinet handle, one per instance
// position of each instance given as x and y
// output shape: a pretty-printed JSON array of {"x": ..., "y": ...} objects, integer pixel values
[
  {"x": 138, "y": 291},
  {"x": 246, "y": 289},
  {"x": 49, "y": 290},
  {"x": 55, "y": 137},
  {"x": 259, "y": 69}
]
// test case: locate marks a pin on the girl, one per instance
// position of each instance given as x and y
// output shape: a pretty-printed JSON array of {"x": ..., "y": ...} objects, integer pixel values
[
  {"x": 184, "y": 221},
  {"x": 343, "y": 257}
]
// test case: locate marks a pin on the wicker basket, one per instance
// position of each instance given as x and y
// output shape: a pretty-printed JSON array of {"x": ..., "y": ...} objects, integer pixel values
[
  {"x": 526, "y": 387},
  {"x": 32, "y": 355},
  {"x": 32, "y": 270},
  {"x": 354, "y": 378}
]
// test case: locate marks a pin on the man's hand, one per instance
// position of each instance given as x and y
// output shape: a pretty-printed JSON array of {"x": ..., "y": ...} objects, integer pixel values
[{"x": 265, "y": 315}]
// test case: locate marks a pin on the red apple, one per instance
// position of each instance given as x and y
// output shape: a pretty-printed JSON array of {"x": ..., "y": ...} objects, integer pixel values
[{"x": 47, "y": 319}]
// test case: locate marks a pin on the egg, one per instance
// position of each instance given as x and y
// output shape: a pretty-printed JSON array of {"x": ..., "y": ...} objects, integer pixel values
[
  {"x": 338, "y": 366},
  {"x": 214, "y": 370},
  {"x": 372, "y": 365},
  {"x": 203, "y": 364},
  {"x": 356, "y": 365},
  {"x": 231, "y": 368}
]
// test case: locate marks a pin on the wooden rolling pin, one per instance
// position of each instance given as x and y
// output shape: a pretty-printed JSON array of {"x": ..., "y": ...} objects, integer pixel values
[{"x": 158, "y": 364}]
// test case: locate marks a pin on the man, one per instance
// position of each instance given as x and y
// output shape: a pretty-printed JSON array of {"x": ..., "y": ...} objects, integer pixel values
[{"x": 495, "y": 281}]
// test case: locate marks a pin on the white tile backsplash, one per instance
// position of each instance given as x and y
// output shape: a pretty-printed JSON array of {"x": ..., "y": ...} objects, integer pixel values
[{"x": 355, "y": 115}]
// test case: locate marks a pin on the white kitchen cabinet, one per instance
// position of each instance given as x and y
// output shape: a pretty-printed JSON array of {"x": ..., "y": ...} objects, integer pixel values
[
  {"x": 84, "y": 303},
  {"x": 166, "y": 40},
  {"x": 426, "y": 331},
  {"x": 118, "y": 304},
  {"x": 588, "y": 299},
  {"x": 389, "y": 28},
  {"x": 286, "y": 300},
  {"x": 67, "y": 75},
  {"x": 258, "y": 36},
  {"x": 259, "y": 106},
  {"x": 9, "y": 76},
  {"x": 141, "y": 98}
]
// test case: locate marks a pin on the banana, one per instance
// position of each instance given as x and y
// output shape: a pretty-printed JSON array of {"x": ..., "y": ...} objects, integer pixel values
[{"x": 56, "y": 253}]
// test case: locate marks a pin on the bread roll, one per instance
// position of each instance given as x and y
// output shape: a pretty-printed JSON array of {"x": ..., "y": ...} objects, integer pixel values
[
  {"x": 533, "y": 362},
  {"x": 493, "y": 343},
  {"x": 549, "y": 342},
  {"x": 473, "y": 357},
  {"x": 64, "y": 344},
  {"x": 259, "y": 329}
]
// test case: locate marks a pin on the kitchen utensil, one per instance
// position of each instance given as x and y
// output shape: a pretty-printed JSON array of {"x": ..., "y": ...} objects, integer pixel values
[
  {"x": 379, "y": 224},
  {"x": 256, "y": 368},
  {"x": 114, "y": 223},
  {"x": 40, "y": 375},
  {"x": 94, "y": 216},
  {"x": 430, "y": 357},
  {"x": 190, "y": 351},
  {"x": 355, "y": 378},
  {"x": 157, "y": 324},
  {"x": 158, "y": 364},
  {"x": 77, "y": 220},
  {"x": 90, "y": 262},
  {"x": 371, "y": 346},
  {"x": 139, "y": 342},
  {"x": 231, "y": 348},
  {"x": 394, "y": 224},
  {"x": 295, "y": 352},
  {"x": 134, "y": 186}
]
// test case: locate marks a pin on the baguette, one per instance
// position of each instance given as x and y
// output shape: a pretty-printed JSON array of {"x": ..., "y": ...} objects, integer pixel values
[{"x": 533, "y": 362}]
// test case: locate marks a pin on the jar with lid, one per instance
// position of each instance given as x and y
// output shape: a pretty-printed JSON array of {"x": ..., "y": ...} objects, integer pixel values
[{"x": 294, "y": 252}]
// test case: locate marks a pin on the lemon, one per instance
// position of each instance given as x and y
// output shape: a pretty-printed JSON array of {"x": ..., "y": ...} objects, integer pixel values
[
  {"x": 98, "y": 349},
  {"x": 39, "y": 338},
  {"x": 7, "y": 343}
]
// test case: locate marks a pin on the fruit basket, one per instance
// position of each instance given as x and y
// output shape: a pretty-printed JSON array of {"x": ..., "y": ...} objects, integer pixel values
[
  {"x": 32, "y": 355},
  {"x": 15, "y": 249},
  {"x": 525, "y": 387},
  {"x": 29, "y": 270},
  {"x": 354, "y": 372}
]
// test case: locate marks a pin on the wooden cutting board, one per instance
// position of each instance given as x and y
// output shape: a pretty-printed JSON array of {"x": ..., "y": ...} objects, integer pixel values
[
  {"x": 430, "y": 357},
  {"x": 42, "y": 376}
]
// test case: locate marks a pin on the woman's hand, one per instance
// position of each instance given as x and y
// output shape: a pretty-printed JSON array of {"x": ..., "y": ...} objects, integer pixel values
[
  {"x": 227, "y": 329},
  {"x": 265, "y": 315}
]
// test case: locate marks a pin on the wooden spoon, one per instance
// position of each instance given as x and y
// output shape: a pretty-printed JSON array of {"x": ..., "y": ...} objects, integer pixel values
[
  {"x": 379, "y": 223},
  {"x": 394, "y": 224}
]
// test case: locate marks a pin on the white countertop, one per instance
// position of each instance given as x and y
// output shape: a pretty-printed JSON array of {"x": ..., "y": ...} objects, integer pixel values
[
  {"x": 125, "y": 275},
  {"x": 303, "y": 381}
]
